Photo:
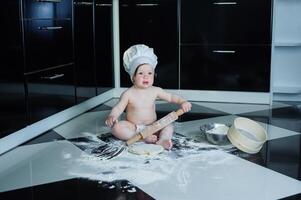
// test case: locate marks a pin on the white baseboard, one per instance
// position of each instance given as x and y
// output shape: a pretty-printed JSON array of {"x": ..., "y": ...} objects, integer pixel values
[
  {"x": 286, "y": 97},
  {"x": 216, "y": 96}
]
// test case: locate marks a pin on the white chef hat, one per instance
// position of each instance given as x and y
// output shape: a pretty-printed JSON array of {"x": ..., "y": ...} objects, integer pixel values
[{"x": 137, "y": 55}]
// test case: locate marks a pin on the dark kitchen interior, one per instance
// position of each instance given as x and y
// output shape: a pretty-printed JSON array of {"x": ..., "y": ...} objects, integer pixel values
[{"x": 62, "y": 73}]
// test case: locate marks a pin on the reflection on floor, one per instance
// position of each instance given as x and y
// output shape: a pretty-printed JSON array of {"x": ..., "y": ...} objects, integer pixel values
[{"x": 80, "y": 159}]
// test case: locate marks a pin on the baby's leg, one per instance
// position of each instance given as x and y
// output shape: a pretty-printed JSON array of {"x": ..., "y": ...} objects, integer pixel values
[
  {"x": 165, "y": 137},
  {"x": 124, "y": 130}
]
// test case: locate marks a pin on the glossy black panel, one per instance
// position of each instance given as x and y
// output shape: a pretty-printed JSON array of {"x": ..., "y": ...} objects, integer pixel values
[
  {"x": 48, "y": 43},
  {"x": 229, "y": 68},
  {"x": 225, "y": 22},
  {"x": 84, "y": 50},
  {"x": 77, "y": 189},
  {"x": 49, "y": 92},
  {"x": 103, "y": 46},
  {"x": 12, "y": 93},
  {"x": 37, "y": 9},
  {"x": 153, "y": 23},
  {"x": 284, "y": 156}
]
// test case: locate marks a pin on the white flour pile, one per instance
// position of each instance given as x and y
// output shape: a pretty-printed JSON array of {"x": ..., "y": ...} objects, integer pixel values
[{"x": 142, "y": 170}]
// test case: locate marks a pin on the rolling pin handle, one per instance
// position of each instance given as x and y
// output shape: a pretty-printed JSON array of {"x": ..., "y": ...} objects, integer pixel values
[
  {"x": 134, "y": 139},
  {"x": 180, "y": 112}
]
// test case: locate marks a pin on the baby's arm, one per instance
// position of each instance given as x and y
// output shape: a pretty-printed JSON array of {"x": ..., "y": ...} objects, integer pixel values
[
  {"x": 117, "y": 110},
  {"x": 172, "y": 98}
]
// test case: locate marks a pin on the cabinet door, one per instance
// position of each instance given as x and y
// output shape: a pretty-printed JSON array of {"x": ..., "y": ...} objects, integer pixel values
[
  {"x": 12, "y": 92},
  {"x": 103, "y": 46},
  {"x": 209, "y": 22},
  {"x": 49, "y": 92},
  {"x": 153, "y": 23},
  {"x": 84, "y": 50},
  {"x": 228, "y": 68},
  {"x": 48, "y": 43},
  {"x": 46, "y": 9}
]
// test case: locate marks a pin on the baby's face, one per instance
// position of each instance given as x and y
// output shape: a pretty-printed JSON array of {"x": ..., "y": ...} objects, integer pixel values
[{"x": 144, "y": 77}]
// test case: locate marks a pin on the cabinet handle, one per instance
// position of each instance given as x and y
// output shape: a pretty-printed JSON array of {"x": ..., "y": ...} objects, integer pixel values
[
  {"x": 83, "y": 3},
  {"x": 225, "y": 3},
  {"x": 47, "y": 28},
  {"x": 55, "y": 76},
  {"x": 222, "y": 51},
  {"x": 103, "y": 5},
  {"x": 53, "y": 1},
  {"x": 147, "y": 4}
]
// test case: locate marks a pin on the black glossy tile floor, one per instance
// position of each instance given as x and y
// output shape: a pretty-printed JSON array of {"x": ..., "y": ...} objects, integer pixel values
[{"x": 68, "y": 161}]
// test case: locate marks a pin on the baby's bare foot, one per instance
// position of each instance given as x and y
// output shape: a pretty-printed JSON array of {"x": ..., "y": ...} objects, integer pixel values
[
  {"x": 166, "y": 144},
  {"x": 151, "y": 139}
]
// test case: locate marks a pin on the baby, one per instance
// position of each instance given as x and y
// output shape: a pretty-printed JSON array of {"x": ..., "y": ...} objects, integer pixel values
[{"x": 139, "y": 100}]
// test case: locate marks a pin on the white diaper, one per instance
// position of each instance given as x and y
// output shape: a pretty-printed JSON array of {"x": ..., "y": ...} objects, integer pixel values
[{"x": 139, "y": 128}]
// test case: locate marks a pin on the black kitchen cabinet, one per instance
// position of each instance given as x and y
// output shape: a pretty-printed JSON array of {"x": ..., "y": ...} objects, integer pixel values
[
  {"x": 47, "y": 9},
  {"x": 12, "y": 92},
  {"x": 153, "y": 23},
  {"x": 232, "y": 68},
  {"x": 210, "y": 22},
  {"x": 225, "y": 45},
  {"x": 103, "y": 46},
  {"x": 48, "y": 57},
  {"x": 84, "y": 50},
  {"x": 93, "y": 47},
  {"x": 48, "y": 43},
  {"x": 38, "y": 79},
  {"x": 49, "y": 92}
]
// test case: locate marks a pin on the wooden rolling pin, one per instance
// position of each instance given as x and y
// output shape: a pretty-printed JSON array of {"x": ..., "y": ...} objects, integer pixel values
[{"x": 156, "y": 126}]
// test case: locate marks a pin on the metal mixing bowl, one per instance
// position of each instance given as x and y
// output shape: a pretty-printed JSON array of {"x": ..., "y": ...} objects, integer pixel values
[{"x": 215, "y": 133}]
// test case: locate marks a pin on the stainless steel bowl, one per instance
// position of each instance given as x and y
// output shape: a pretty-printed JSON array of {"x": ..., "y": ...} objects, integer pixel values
[{"x": 215, "y": 133}]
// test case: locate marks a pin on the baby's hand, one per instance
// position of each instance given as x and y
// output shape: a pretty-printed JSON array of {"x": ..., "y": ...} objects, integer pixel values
[
  {"x": 186, "y": 106},
  {"x": 111, "y": 120}
]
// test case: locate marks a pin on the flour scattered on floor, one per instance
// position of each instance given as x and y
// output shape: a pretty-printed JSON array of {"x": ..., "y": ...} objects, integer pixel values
[
  {"x": 142, "y": 170},
  {"x": 112, "y": 186}
]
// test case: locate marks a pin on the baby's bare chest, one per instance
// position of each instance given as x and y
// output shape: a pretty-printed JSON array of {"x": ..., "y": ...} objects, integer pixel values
[{"x": 143, "y": 101}]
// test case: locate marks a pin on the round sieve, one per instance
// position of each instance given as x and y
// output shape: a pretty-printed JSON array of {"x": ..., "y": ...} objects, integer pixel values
[{"x": 247, "y": 135}]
